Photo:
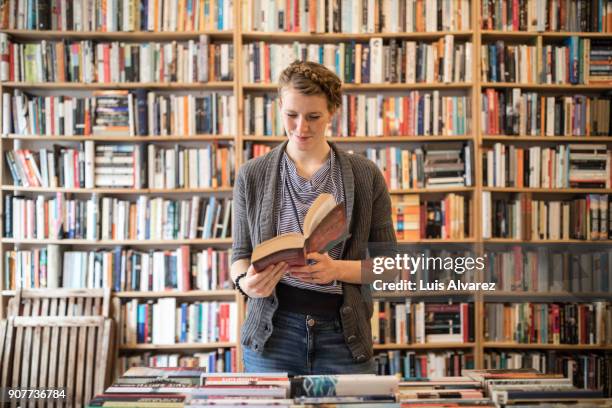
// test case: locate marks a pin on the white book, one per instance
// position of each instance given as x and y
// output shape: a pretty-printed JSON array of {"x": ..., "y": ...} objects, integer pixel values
[
  {"x": 376, "y": 60},
  {"x": 193, "y": 219},
  {"x": 170, "y": 169},
  {"x": 419, "y": 318},
  {"x": 141, "y": 217},
  {"x": 486, "y": 214},
  {"x": 449, "y": 46},
  {"x": 164, "y": 319}
]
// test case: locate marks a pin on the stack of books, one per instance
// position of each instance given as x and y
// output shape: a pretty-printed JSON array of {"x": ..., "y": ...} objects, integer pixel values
[
  {"x": 528, "y": 386},
  {"x": 193, "y": 387}
]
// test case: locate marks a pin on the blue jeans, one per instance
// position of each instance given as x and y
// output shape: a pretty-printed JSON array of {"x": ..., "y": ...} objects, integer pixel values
[{"x": 305, "y": 344}]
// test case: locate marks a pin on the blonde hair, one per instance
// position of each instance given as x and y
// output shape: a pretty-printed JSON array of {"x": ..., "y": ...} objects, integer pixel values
[{"x": 311, "y": 78}]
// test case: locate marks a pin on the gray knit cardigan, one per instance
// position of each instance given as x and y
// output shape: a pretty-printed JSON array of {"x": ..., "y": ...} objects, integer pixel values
[{"x": 369, "y": 218}]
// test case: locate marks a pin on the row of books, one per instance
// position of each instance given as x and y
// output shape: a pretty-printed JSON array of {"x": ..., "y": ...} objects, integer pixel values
[
  {"x": 420, "y": 322},
  {"x": 122, "y": 269},
  {"x": 419, "y": 113},
  {"x": 166, "y": 321},
  {"x": 563, "y": 166},
  {"x": 558, "y": 15},
  {"x": 120, "y": 113},
  {"x": 433, "y": 165},
  {"x": 361, "y": 16},
  {"x": 525, "y": 219},
  {"x": 586, "y": 371},
  {"x": 446, "y": 218},
  {"x": 412, "y": 365},
  {"x": 443, "y": 61},
  {"x": 123, "y": 166},
  {"x": 550, "y": 270},
  {"x": 548, "y": 323},
  {"x": 577, "y": 61},
  {"x": 113, "y": 62},
  {"x": 513, "y": 112},
  {"x": 110, "y": 218},
  {"x": 222, "y": 360},
  {"x": 181, "y": 167},
  {"x": 114, "y": 15}
]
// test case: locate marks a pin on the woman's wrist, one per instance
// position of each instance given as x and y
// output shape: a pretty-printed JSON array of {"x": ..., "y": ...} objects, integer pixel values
[{"x": 346, "y": 271}]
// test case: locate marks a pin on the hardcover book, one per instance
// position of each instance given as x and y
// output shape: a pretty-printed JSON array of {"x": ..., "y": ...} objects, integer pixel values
[{"x": 324, "y": 227}]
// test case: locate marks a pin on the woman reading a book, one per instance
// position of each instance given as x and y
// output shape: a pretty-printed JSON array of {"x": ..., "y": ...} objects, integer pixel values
[{"x": 315, "y": 318}]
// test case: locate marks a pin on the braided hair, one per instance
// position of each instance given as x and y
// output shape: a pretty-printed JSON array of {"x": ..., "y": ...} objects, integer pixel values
[{"x": 311, "y": 78}]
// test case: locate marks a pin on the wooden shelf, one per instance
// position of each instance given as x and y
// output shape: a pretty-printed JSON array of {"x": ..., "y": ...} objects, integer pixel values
[
  {"x": 432, "y": 190},
  {"x": 39, "y": 35},
  {"x": 200, "y": 294},
  {"x": 548, "y": 190},
  {"x": 337, "y": 37},
  {"x": 547, "y": 241},
  {"x": 126, "y": 138},
  {"x": 229, "y": 85},
  {"x": 117, "y": 190},
  {"x": 519, "y": 346},
  {"x": 551, "y": 139},
  {"x": 546, "y": 296},
  {"x": 439, "y": 241},
  {"x": 546, "y": 87},
  {"x": 192, "y": 294},
  {"x": 497, "y": 34},
  {"x": 370, "y": 87},
  {"x": 367, "y": 139},
  {"x": 131, "y": 242},
  {"x": 177, "y": 346},
  {"x": 426, "y": 346}
]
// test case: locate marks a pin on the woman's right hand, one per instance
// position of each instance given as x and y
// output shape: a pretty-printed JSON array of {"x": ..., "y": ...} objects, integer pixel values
[{"x": 262, "y": 284}]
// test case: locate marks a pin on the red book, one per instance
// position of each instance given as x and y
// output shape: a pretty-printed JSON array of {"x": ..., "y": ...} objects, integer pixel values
[
  {"x": 312, "y": 15},
  {"x": 106, "y": 52},
  {"x": 515, "y": 15},
  {"x": 296, "y": 16}
]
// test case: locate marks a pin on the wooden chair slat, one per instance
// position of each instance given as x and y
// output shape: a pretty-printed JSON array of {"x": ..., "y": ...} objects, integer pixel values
[
  {"x": 89, "y": 363},
  {"x": 80, "y": 367},
  {"x": 72, "y": 360},
  {"x": 44, "y": 353}
]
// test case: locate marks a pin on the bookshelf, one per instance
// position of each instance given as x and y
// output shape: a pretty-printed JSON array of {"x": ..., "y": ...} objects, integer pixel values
[{"x": 238, "y": 36}]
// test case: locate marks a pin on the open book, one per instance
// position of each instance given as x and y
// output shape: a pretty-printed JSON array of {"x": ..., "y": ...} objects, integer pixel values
[{"x": 324, "y": 227}]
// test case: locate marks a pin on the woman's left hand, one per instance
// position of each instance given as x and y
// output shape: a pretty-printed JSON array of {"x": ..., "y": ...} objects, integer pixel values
[{"x": 322, "y": 272}]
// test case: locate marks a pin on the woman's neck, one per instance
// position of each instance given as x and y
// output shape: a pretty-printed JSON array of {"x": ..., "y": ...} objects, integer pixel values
[{"x": 308, "y": 162}]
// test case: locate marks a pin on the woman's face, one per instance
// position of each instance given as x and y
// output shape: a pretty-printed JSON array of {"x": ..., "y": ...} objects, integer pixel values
[{"x": 305, "y": 118}]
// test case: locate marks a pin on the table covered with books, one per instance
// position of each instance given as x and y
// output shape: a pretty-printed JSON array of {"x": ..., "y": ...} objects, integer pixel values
[{"x": 193, "y": 387}]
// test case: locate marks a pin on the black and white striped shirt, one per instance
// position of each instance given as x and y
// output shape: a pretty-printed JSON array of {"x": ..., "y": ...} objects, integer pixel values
[{"x": 296, "y": 196}]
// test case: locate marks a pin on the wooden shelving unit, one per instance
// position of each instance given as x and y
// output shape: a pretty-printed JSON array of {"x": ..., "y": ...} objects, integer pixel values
[{"x": 239, "y": 88}]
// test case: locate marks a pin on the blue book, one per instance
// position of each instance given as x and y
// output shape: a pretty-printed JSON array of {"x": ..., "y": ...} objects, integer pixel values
[
  {"x": 140, "y": 323},
  {"x": 227, "y": 367},
  {"x": 144, "y": 12},
  {"x": 220, "y": 15},
  {"x": 493, "y": 63},
  {"x": 117, "y": 269},
  {"x": 574, "y": 61},
  {"x": 420, "y": 109},
  {"x": 406, "y": 361},
  {"x": 184, "y": 318},
  {"x": 212, "y": 363}
]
